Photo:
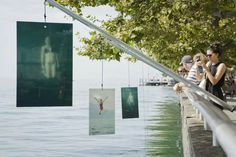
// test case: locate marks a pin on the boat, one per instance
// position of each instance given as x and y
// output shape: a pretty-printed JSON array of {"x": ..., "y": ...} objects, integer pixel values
[{"x": 165, "y": 81}]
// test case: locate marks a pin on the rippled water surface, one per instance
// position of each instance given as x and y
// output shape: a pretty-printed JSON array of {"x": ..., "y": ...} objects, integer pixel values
[{"x": 63, "y": 131}]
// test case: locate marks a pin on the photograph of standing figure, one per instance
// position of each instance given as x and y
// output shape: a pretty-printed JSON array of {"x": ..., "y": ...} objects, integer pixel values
[
  {"x": 129, "y": 97},
  {"x": 49, "y": 60},
  {"x": 44, "y": 64},
  {"x": 101, "y": 111}
]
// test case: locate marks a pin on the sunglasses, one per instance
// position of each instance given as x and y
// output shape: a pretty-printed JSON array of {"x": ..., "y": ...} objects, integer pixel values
[{"x": 209, "y": 55}]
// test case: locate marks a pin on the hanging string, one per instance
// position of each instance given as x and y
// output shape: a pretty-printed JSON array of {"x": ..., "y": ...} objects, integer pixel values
[
  {"x": 101, "y": 58},
  {"x": 128, "y": 74},
  {"x": 45, "y": 13},
  {"x": 102, "y": 75},
  {"x": 144, "y": 110}
]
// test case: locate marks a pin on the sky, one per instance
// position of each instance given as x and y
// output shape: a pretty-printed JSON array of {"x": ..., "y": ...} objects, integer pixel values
[{"x": 83, "y": 68}]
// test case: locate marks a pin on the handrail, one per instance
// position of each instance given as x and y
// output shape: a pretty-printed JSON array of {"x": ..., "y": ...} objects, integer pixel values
[
  {"x": 224, "y": 130},
  {"x": 138, "y": 54}
]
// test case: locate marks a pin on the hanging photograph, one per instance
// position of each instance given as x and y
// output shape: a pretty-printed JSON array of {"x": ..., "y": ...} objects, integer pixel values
[
  {"x": 101, "y": 111},
  {"x": 129, "y": 98},
  {"x": 44, "y": 64}
]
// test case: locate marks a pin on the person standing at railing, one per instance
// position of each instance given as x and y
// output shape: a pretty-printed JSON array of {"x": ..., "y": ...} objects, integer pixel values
[
  {"x": 186, "y": 63},
  {"x": 182, "y": 71},
  {"x": 192, "y": 74},
  {"x": 215, "y": 71}
]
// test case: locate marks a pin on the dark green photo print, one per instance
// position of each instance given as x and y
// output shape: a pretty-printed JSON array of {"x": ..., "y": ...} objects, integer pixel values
[
  {"x": 129, "y": 97},
  {"x": 44, "y": 64}
]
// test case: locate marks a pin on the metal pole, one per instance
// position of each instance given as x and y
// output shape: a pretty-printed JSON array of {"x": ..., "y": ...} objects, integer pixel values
[{"x": 138, "y": 54}]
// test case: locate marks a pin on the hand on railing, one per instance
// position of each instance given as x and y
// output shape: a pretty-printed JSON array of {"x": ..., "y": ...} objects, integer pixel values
[{"x": 179, "y": 87}]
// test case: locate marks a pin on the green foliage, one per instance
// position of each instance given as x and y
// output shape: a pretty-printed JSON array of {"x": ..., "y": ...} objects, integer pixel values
[
  {"x": 166, "y": 29},
  {"x": 97, "y": 48}
]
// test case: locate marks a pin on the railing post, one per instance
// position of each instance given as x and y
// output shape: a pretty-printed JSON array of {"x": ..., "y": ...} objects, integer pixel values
[
  {"x": 206, "y": 126},
  {"x": 197, "y": 111},
  {"x": 200, "y": 116},
  {"x": 214, "y": 140}
]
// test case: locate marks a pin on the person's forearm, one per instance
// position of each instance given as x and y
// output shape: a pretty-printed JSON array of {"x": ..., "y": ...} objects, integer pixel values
[{"x": 210, "y": 77}]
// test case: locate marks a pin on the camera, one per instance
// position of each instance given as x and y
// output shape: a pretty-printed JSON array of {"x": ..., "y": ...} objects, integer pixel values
[{"x": 199, "y": 68}]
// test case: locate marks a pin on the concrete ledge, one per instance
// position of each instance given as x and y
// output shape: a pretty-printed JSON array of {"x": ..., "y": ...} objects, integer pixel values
[{"x": 197, "y": 142}]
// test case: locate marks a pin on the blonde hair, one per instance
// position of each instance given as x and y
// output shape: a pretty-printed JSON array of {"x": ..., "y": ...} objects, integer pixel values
[{"x": 202, "y": 57}]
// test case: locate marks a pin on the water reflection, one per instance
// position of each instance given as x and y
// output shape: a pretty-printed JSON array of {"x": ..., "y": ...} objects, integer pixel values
[{"x": 164, "y": 131}]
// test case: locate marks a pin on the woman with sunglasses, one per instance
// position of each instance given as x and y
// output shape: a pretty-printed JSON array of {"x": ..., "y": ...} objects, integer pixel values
[{"x": 215, "y": 72}]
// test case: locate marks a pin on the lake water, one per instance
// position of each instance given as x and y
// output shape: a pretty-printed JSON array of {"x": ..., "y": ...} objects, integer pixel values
[{"x": 64, "y": 131}]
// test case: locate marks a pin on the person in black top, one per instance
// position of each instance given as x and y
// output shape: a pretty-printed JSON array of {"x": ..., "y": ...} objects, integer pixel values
[{"x": 215, "y": 72}]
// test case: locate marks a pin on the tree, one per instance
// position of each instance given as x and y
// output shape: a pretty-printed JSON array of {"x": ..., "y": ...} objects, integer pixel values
[{"x": 165, "y": 29}]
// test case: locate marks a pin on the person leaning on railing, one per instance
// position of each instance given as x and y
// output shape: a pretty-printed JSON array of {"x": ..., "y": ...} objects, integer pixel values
[
  {"x": 182, "y": 71},
  {"x": 214, "y": 71},
  {"x": 186, "y": 65},
  {"x": 192, "y": 74}
]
